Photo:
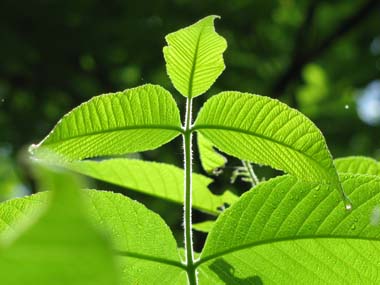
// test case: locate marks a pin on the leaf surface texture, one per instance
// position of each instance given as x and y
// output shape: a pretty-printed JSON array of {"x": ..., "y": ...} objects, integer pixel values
[
  {"x": 358, "y": 165},
  {"x": 157, "y": 179},
  {"x": 194, "y": 57},
  {"x": 286, "y": 231},
  {"x": 268, "y": 132},
  {"x": 143, "y": 243},
  {"x": 134, "y": 120}
]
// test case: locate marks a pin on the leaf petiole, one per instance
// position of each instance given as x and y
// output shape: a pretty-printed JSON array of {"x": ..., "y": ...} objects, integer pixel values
[{"x": 188, "y": 236}]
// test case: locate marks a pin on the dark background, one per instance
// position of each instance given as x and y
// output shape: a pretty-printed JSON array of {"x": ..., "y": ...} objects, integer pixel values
[{"x": 322, "y": 57}]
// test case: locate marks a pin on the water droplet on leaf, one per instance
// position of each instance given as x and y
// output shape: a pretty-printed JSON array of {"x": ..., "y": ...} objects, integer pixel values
[
  {"x": 347, "y": 202},
  {"x": 348, "y": 206}
]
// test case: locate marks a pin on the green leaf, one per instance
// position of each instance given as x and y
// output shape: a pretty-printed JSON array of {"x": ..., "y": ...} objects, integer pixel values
[
  {"x": 358, "y": 165},
  {"x": 137, "y": 119},
  {"x": 194, "y": 57},
  {"x": 145, "y": 248},
  {"x": 268, "y": 132},
  {"x": 10, "y": 184},
  {"x": 211, "y": 160},
  {"x": 56, "y": 244},
  {"x": 156, "y": 179},
  {"x": 288, "y": 231},
  {"x": 204, "y": 227}
]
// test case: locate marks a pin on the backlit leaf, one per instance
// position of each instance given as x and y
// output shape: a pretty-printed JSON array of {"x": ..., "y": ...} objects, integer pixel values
[
  {"x": 268, "y": 132},
  {"x": 358, "y": 165},
  {"x": 205, "y": 226},
  {"x": 287, "y": 231},
  {"x": 158, "y": 179},
  {"x": 194, "y": 57},
  {"x": 134, "y": 120},
  {"x": 143, "y": 244},
  {"x": 56, "y": 243},
  {"x": 211, "y": 160}
]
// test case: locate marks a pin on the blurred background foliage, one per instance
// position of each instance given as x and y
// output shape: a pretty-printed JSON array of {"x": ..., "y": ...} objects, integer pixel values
[{"x": 321, "y": 57}]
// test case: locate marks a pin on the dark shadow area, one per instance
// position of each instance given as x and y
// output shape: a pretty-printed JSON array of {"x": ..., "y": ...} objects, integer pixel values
[{"x": 226, "y": 272}]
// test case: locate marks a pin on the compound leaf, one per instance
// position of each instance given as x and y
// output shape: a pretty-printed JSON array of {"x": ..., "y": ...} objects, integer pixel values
[
  {"x": 157, "y": 179},
  {"x": 143, "y": 244},
  {"x": 211, "y": 160},
  {"x": 288, "y": 231},
  {"x": 358, "y": 165},
  {"x": 268, "y": 132},
  {"x": 194, "y": 57},
  {"x": 136, "y": 119},
  {"x": 56, "y": 244}
]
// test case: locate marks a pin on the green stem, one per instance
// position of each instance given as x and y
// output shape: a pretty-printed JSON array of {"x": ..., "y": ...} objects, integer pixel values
[
  {"x": 251, "y": 173},
  {"x": 187, "y": 141}
]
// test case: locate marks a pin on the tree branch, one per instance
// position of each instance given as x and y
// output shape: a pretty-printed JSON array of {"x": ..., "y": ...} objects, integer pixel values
[{"x": 299, "y": 60}]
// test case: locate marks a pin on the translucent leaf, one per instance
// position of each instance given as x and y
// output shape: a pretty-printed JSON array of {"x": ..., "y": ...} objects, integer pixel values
[
  {"x": 358, "y": 165},
  {"x": 287, "y": 231},
  {"x": 194, "y": 57},
  {"x": 145, "y": 248},
  {"x": 56, "y": 244},
  {"x": 204, "y": 227},
  {"x": 211, "y": 160},
  {"x": 268, "y": 132},
  {"x": 157, "y": 179},
  {"x": 137, "y": 119}
]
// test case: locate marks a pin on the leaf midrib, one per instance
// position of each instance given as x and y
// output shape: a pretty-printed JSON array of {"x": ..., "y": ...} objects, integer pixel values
[
  {"x": 192, "y": 71},
  {"x": 278, "y": 240},
  {"x": 247, "y": 132},
  {"x": 126, "y": 253},
  {"x": 125, "y": 128}
]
